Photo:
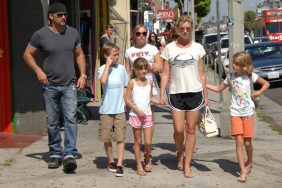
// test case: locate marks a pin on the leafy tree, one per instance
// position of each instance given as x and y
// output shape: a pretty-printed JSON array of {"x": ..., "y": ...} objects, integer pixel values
[
  {"x": 250, "y": 21},
  {"x": 201, "y": 7}
]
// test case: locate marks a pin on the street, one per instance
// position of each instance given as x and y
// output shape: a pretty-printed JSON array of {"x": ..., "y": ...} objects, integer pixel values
[{"x": 274, "y": 92}]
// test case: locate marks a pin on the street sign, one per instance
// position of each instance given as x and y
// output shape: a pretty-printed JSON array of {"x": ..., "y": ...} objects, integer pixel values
[{"x": 166, "y": 14}]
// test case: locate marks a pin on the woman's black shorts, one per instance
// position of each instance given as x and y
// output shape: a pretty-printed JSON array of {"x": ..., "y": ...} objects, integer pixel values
[{"x": 186, "y": 101}]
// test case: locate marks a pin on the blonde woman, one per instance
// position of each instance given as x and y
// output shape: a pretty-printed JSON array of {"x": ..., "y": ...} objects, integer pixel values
[{"x": 184, "y": 65}]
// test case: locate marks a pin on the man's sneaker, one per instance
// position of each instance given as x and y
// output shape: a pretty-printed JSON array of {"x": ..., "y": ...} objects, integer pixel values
[
  {"x": 112, "y": 167},
  {"x": 69, "y": 165},
  {"x": 119, "y": 172},
  {"x": 54, "y": 162}
]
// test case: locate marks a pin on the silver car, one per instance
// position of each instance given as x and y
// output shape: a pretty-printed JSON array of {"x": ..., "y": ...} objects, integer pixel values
[{"x": 267, "y": 59}]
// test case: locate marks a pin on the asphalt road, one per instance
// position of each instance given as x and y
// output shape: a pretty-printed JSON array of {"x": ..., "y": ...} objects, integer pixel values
[{"x": 275, "y": 93}]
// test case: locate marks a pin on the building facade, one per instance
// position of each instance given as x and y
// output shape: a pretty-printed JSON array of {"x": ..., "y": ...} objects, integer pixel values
[{"x": 21, "y": 100}]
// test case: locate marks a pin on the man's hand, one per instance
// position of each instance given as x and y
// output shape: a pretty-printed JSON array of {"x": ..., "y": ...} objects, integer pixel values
[
  {"x": 81, "y": 82},
  {"x": 41, "y": 76}
]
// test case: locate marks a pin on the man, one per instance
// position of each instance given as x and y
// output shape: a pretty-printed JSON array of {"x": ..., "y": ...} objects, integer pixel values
[
  {"x": 59, "y": 44},
  {"x": 106, "y": 38}
]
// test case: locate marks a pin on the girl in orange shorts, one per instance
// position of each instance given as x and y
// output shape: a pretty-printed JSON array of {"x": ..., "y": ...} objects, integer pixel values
[
  {"x": 138, "y": 97},
  {"x": 242, "y": 106}
]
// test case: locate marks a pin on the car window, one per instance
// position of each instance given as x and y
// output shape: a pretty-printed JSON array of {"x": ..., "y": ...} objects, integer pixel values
[
  {"x": 265, "y": 52},
  {"x": 247, "y": 40},
  {"x": 224, "y": 43}
]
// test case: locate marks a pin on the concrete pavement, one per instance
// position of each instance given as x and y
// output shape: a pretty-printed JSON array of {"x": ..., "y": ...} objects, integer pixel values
[{"x": 214, "y": 163}]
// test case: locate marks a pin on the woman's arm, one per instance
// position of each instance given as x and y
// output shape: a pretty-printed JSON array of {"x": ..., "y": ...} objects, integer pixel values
[
  {"x": 157, "y": 65},
  {"x": 202, "y": 75},
  {"x": 152, "y": 98},
  {"x": 164, "y": 80},
  {"x": 127, "y": 67}
]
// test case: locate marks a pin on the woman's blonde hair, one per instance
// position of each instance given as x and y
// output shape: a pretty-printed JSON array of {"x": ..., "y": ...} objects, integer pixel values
[
  {"x": 245, "y": 60},
  {"x": 182, "y": 19},
  {"x": 139, "y": 64}
]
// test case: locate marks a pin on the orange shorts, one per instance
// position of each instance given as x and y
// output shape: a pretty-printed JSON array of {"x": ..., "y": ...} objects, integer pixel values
[{"x": 243, "y": 125}]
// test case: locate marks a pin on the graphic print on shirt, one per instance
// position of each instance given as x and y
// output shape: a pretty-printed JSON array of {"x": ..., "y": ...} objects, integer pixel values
[
  {"x": 241, "y": 95},
  {"x": 140, "y": 54},
  {"x": 183, "y": 60}
]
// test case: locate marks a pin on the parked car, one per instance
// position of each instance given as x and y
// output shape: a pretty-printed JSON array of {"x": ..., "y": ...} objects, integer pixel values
[
  {"x": 267, "y": 60},
  {"x": 261, "y": 39}
]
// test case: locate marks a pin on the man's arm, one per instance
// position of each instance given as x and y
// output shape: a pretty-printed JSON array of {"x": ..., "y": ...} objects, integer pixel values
[
  {"x": 30, "y": 61},
  {"x": 80, "y": 60}
]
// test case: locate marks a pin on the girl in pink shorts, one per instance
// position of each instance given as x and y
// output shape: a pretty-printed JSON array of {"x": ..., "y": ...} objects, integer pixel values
[
  {"x": 138, "y": 98},
  {"x": 242, "y": 106}
]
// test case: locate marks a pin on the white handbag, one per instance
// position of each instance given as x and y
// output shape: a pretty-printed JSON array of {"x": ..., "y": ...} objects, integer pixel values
[{"x": 208, "y": 126}]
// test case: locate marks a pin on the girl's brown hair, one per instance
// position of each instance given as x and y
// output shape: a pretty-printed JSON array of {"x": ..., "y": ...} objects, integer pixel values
[
  {"x": 245, "y": 60},
  {"x": 139, "y": 64}
]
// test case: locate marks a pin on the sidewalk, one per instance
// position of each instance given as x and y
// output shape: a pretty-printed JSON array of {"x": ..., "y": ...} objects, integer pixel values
[{"x": 214, "y": 163}]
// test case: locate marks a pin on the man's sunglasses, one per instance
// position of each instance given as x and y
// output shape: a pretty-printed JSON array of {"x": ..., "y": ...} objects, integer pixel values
[
  {"x": 139, "y": 34},
  {"x": 60, "y": 15}
]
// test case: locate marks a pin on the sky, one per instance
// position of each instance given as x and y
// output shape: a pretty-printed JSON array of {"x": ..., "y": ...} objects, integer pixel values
[{"x": 248, "y": 5}]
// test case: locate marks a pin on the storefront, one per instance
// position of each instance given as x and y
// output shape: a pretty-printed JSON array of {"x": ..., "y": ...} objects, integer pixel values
[
  {"x": 5, "y": 84},
  {"x": 21, "y": 101}
]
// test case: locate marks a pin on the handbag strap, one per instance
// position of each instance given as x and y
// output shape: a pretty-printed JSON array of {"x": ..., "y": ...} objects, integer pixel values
[{"x": 208, "y": 113}]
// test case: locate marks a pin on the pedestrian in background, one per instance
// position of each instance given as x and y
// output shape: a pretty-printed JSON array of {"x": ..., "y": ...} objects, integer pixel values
[
  {"x": 153, "y": 40},
  {"x": 138, "y": 98},
  {"x": 59, "y": 43},
  {"x": 184, "y": 65},
  {"x": 242, "y": 106},
  {"x": 113, "y": 77},
  {"x": 105, "y": 38}
]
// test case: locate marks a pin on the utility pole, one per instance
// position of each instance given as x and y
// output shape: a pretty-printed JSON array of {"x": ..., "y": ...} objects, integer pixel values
[
  {"x": 236, "y": 44},
  {"x": 219, "y": 64},
  {"x": 190, "y": 12}
]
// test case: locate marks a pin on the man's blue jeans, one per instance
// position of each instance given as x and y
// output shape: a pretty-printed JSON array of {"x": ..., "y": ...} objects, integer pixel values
[{"x": 55, "y": 95}]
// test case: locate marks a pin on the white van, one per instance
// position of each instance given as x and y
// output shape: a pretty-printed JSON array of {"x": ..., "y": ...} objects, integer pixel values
[
  {"x": 212, "y": 38},
  {"x": 224, "y": 41}
]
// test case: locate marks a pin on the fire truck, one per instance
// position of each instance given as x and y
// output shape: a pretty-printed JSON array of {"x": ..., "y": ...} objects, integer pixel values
[{"x": 272, "y": 24}]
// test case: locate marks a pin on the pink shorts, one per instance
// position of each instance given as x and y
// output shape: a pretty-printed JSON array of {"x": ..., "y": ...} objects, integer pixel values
[
  {"x": 243, "y": 125},
  {"x": 141, "y": 122}
]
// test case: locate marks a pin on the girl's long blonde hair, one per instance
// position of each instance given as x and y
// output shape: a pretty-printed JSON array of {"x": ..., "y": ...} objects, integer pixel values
[
  {"x": 138, "y": 64},
  {"x": 245, "y": 60}
]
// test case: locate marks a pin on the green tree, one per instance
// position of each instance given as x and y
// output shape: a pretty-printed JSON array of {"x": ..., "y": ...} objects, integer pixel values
[
  {"x": 250, "y": 21},
  {"x": 201, "y": 7}
]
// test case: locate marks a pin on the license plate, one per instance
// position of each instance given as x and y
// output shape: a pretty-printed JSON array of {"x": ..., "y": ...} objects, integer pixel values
[{"x": 273, "y": 75}]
